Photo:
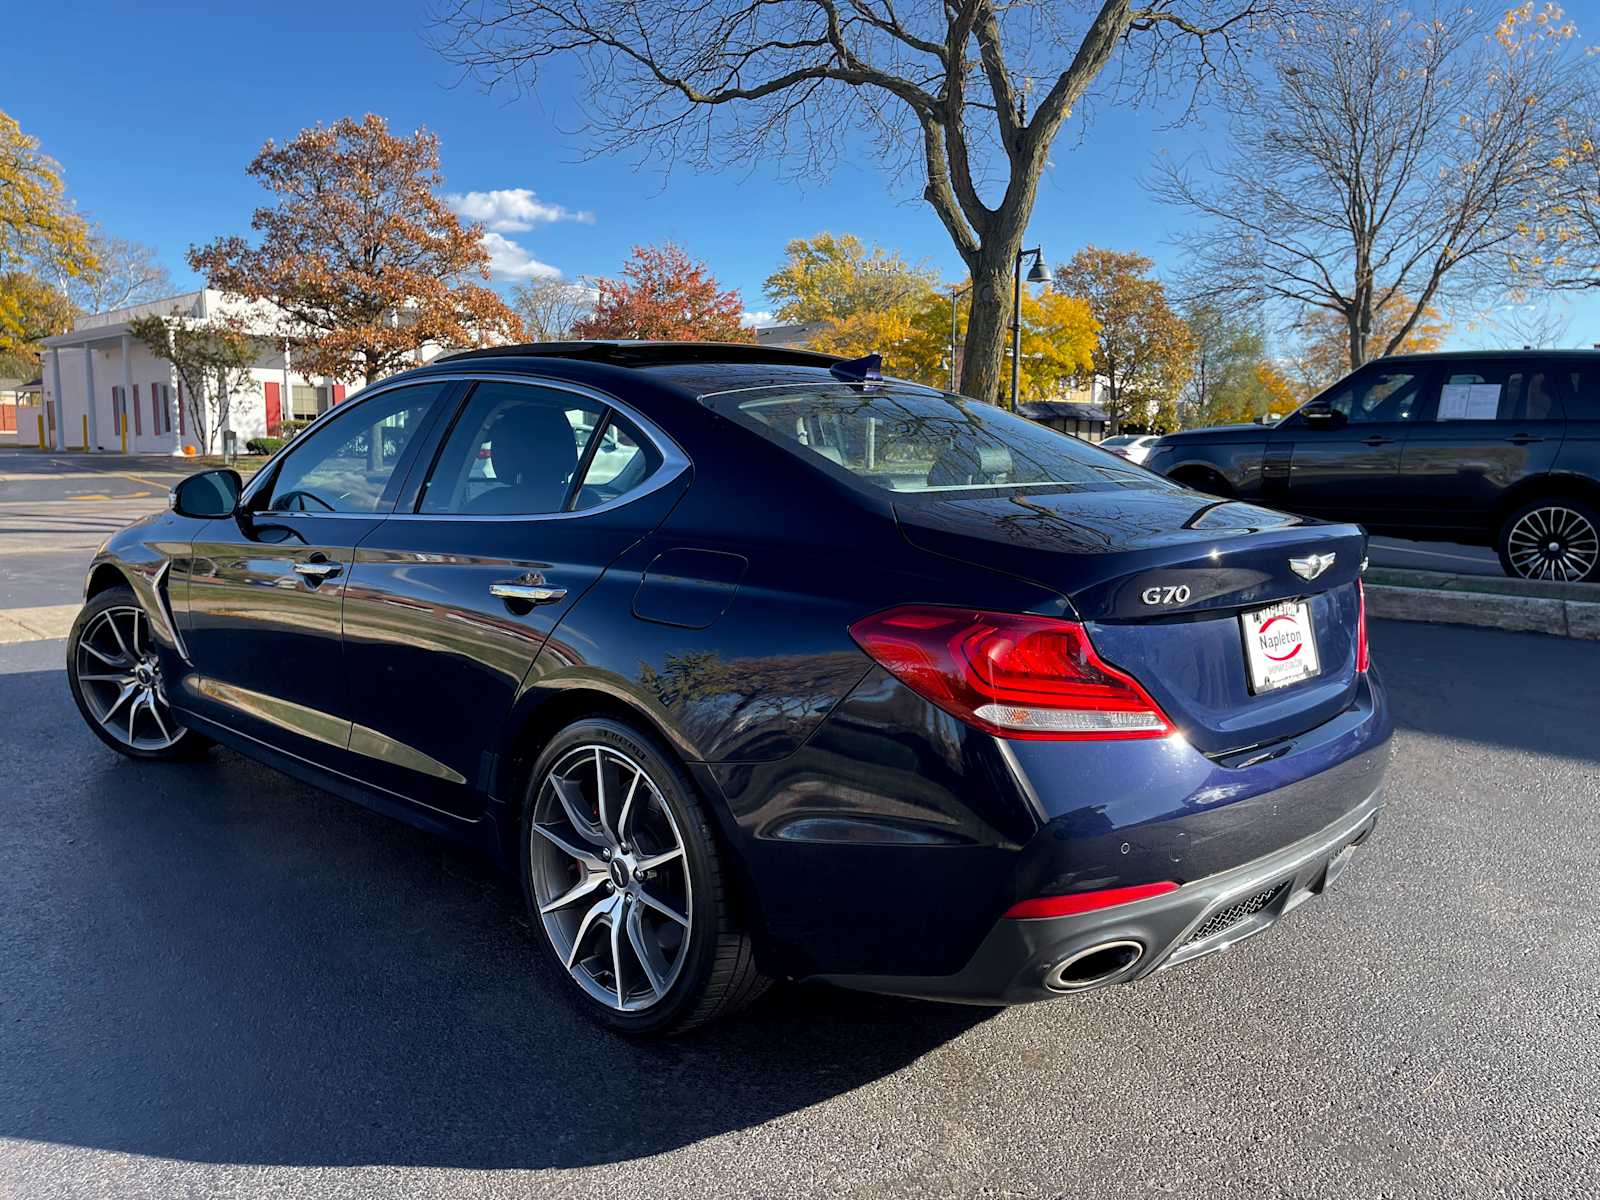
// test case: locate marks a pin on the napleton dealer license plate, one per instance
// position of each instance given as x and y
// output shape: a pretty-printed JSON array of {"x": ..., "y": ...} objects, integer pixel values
[{"x": 1279, "y": 645}]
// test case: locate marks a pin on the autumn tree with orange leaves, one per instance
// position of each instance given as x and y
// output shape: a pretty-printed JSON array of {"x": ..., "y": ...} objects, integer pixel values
[
  {"x": 361, "y": 263},
  {"x": 664, "y": 295}
]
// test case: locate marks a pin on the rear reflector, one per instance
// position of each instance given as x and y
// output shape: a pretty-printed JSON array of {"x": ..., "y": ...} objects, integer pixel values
[
  {"x": 1363, "y": 655},
  {"x": 1012, "y": 674},
  {"x": 1082, "y": 902}
]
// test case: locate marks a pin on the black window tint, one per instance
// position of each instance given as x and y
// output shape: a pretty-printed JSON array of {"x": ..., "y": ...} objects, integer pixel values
[
  {"x": 1584, "y": 405},
  {"x": 621, "y": 461},
  {"x": 906, "y": 441},
  {"x": 348, "y": 464},
  {"x": 514, "y": 450},
  {"x": 1381, "y": 395},
  {"x": 1551, "y": 393}
]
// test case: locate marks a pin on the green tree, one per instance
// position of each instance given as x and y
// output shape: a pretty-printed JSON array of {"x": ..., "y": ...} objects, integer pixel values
[
  {"x": 212, "y": 360},
  {"x": 1223, "y": 387}
]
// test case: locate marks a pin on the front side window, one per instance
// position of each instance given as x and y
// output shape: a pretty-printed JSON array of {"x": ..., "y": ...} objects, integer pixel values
[
  {"x": 348, "y": 464},
  {"x": 1384, "y": 395},
  {"x": 913, "y": 441}
]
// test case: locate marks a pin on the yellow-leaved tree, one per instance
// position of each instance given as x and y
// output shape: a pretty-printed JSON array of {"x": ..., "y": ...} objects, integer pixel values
[
  {"x": 40, "y": 237},
  {"x": 1058, "y": 343},
  {"x": 1145, "y": 353}
]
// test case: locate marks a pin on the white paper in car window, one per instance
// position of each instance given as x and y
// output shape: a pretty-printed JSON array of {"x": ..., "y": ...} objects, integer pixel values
[{"x": 1469, "y": 401}]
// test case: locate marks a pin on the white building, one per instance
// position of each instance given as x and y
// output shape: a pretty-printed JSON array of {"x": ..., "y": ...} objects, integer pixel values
[{"x": 104, "y": 390}]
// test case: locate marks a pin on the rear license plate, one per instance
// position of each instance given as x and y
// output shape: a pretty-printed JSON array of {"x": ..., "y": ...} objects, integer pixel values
[{"x": 1279, "y": 646}]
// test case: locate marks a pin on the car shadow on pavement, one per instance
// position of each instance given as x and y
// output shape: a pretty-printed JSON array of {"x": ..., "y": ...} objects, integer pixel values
[
  {"x": 1436, "y": 690},
  {"x": 211, "y": 962}
]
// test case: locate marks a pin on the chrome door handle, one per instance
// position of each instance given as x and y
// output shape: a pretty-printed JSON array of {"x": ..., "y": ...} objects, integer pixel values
[
  {"x": 528, "y": 593},
  {"x": 317, "y": 570}
]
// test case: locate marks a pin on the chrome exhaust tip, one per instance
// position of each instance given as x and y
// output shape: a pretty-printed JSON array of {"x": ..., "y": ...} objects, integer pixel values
[{"x": 1095, "y": 965}]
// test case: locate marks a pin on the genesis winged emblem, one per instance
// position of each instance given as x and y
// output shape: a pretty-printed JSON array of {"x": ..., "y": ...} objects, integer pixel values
[{"x": 1311, "y": 565}]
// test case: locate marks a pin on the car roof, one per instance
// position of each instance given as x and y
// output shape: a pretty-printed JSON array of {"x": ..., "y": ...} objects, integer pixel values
[
  {"x": 697, "y": 368},
  {"x": 1472, "y": 355}
]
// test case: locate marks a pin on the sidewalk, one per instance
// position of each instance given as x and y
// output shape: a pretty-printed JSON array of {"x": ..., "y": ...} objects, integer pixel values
[
  {"x": 36, "y": 624},
  {"x": 1570, "y": 610}
]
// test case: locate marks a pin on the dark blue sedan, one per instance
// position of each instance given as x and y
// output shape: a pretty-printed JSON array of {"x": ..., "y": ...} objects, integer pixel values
[{"x": 755, "y": 665}]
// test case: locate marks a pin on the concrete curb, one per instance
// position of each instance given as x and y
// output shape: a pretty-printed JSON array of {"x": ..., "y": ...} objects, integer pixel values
[{"x": 1490, "y": 610}]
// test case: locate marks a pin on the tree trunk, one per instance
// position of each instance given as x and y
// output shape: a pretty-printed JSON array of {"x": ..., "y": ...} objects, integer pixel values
[{"x": 988, "y": 325}]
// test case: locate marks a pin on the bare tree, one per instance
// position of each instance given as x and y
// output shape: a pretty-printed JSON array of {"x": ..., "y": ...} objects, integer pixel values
[
  {"x": 549, "y": 309},
  {"x": 1394, "y": 154},
  {"x": 1541, "y": 326},
  {"x": 970, "y": 94},
  {"x": 128, "y": 273}
]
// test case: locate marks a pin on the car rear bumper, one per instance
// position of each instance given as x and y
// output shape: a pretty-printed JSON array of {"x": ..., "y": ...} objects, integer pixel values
[{"x": 1021, "y": 960}]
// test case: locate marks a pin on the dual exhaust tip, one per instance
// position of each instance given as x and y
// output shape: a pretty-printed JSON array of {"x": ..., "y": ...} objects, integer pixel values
[{"x": 1097, "y": 964}]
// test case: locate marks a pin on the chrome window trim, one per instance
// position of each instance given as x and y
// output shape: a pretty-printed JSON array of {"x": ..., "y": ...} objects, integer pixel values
[{"x": 674, "y": 462}]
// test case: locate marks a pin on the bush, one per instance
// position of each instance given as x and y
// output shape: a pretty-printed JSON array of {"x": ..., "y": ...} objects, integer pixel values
[
  {"x": 291, "y": 427},
  {"x": 263, "y": 445}
]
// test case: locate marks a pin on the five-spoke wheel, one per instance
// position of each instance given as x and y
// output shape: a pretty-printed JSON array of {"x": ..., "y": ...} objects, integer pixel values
[
  {"x": 116, "y": 678},
  {"x": 621, "y": 871},
  {"x": 1555, "y": 540}
]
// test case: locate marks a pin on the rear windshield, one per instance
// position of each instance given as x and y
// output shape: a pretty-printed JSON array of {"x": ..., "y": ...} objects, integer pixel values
[{"x": 906, "y": 441}]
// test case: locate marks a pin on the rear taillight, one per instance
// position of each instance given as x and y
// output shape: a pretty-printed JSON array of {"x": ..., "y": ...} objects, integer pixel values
[
  {"x": 1011, "y": 674},
  {"x": 1363, "y": 655}
]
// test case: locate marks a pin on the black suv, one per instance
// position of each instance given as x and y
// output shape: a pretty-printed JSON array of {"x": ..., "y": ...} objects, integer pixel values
[{"x": 1496, "y": 448}]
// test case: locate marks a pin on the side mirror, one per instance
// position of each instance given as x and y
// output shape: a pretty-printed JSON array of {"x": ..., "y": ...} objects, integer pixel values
[
  {"x": 1319, "y": 414},
  {"x": 207, "y": 495}
]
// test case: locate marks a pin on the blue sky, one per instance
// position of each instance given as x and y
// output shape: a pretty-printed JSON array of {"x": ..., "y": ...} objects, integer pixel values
[{"x": 154, "y": 118}]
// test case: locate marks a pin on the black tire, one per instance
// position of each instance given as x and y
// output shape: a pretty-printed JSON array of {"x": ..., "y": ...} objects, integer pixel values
[
  {"x": 184, "y": 743},
  {"x": 715, "y": 966},
  {"x": 1209, "y": 482},
  {"x": 1554, "y": 538}
]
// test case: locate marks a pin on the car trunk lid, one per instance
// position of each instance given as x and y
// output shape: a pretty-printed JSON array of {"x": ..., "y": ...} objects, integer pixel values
[{"x": 1161, "y": 576}]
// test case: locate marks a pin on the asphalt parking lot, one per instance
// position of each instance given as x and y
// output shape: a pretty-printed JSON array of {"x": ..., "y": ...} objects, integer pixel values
[{"x": 215, "y": 981}]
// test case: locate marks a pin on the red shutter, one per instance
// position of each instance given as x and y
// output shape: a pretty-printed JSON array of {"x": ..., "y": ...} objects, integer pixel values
[
  {"x": 155, "y": 408},
  {"x": 274, "y": 409},
  {"x": 180, "y": 409},
  {"x": 138, "y": 421},
  {"x": 338, "y": 392}
]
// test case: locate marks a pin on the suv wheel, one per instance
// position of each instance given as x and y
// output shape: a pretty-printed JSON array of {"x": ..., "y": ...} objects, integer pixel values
[
  {"x": 116, "y": 680},
  {"x": 1552, "y": 539},
  {"x": 621, "y": 872}
]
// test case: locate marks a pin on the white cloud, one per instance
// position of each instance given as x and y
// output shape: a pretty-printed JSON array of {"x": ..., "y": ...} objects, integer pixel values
[
  {"x": 507, "y": 260},
  {"x": 511, "y": 210},
  {"x": 757, "y": 320}
]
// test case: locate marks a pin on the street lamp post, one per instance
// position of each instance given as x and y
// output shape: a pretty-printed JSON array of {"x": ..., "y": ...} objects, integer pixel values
[
  {"x": 1036, "y": 274},
  {"x": 955, "y": 296}
]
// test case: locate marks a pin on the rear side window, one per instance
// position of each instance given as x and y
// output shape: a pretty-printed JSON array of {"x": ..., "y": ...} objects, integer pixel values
[
  {"x": 523, "y": 450},
  {"x": 905, "y": 441},
  {"x": 1518, "y": 391}
]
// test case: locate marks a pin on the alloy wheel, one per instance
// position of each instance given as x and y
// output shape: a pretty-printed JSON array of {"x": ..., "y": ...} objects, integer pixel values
[
  {"x": 611, "y": 878},
  {"x": 1555, "y": 543},
  {"x": 119, "y": 677}
]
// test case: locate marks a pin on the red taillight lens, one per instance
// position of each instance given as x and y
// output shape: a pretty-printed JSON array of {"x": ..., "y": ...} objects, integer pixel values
[
  {"x": 1081, "y": 902},
  {"x": 1012, "y": 674},
  {"x": 1363, "y": 655}
]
